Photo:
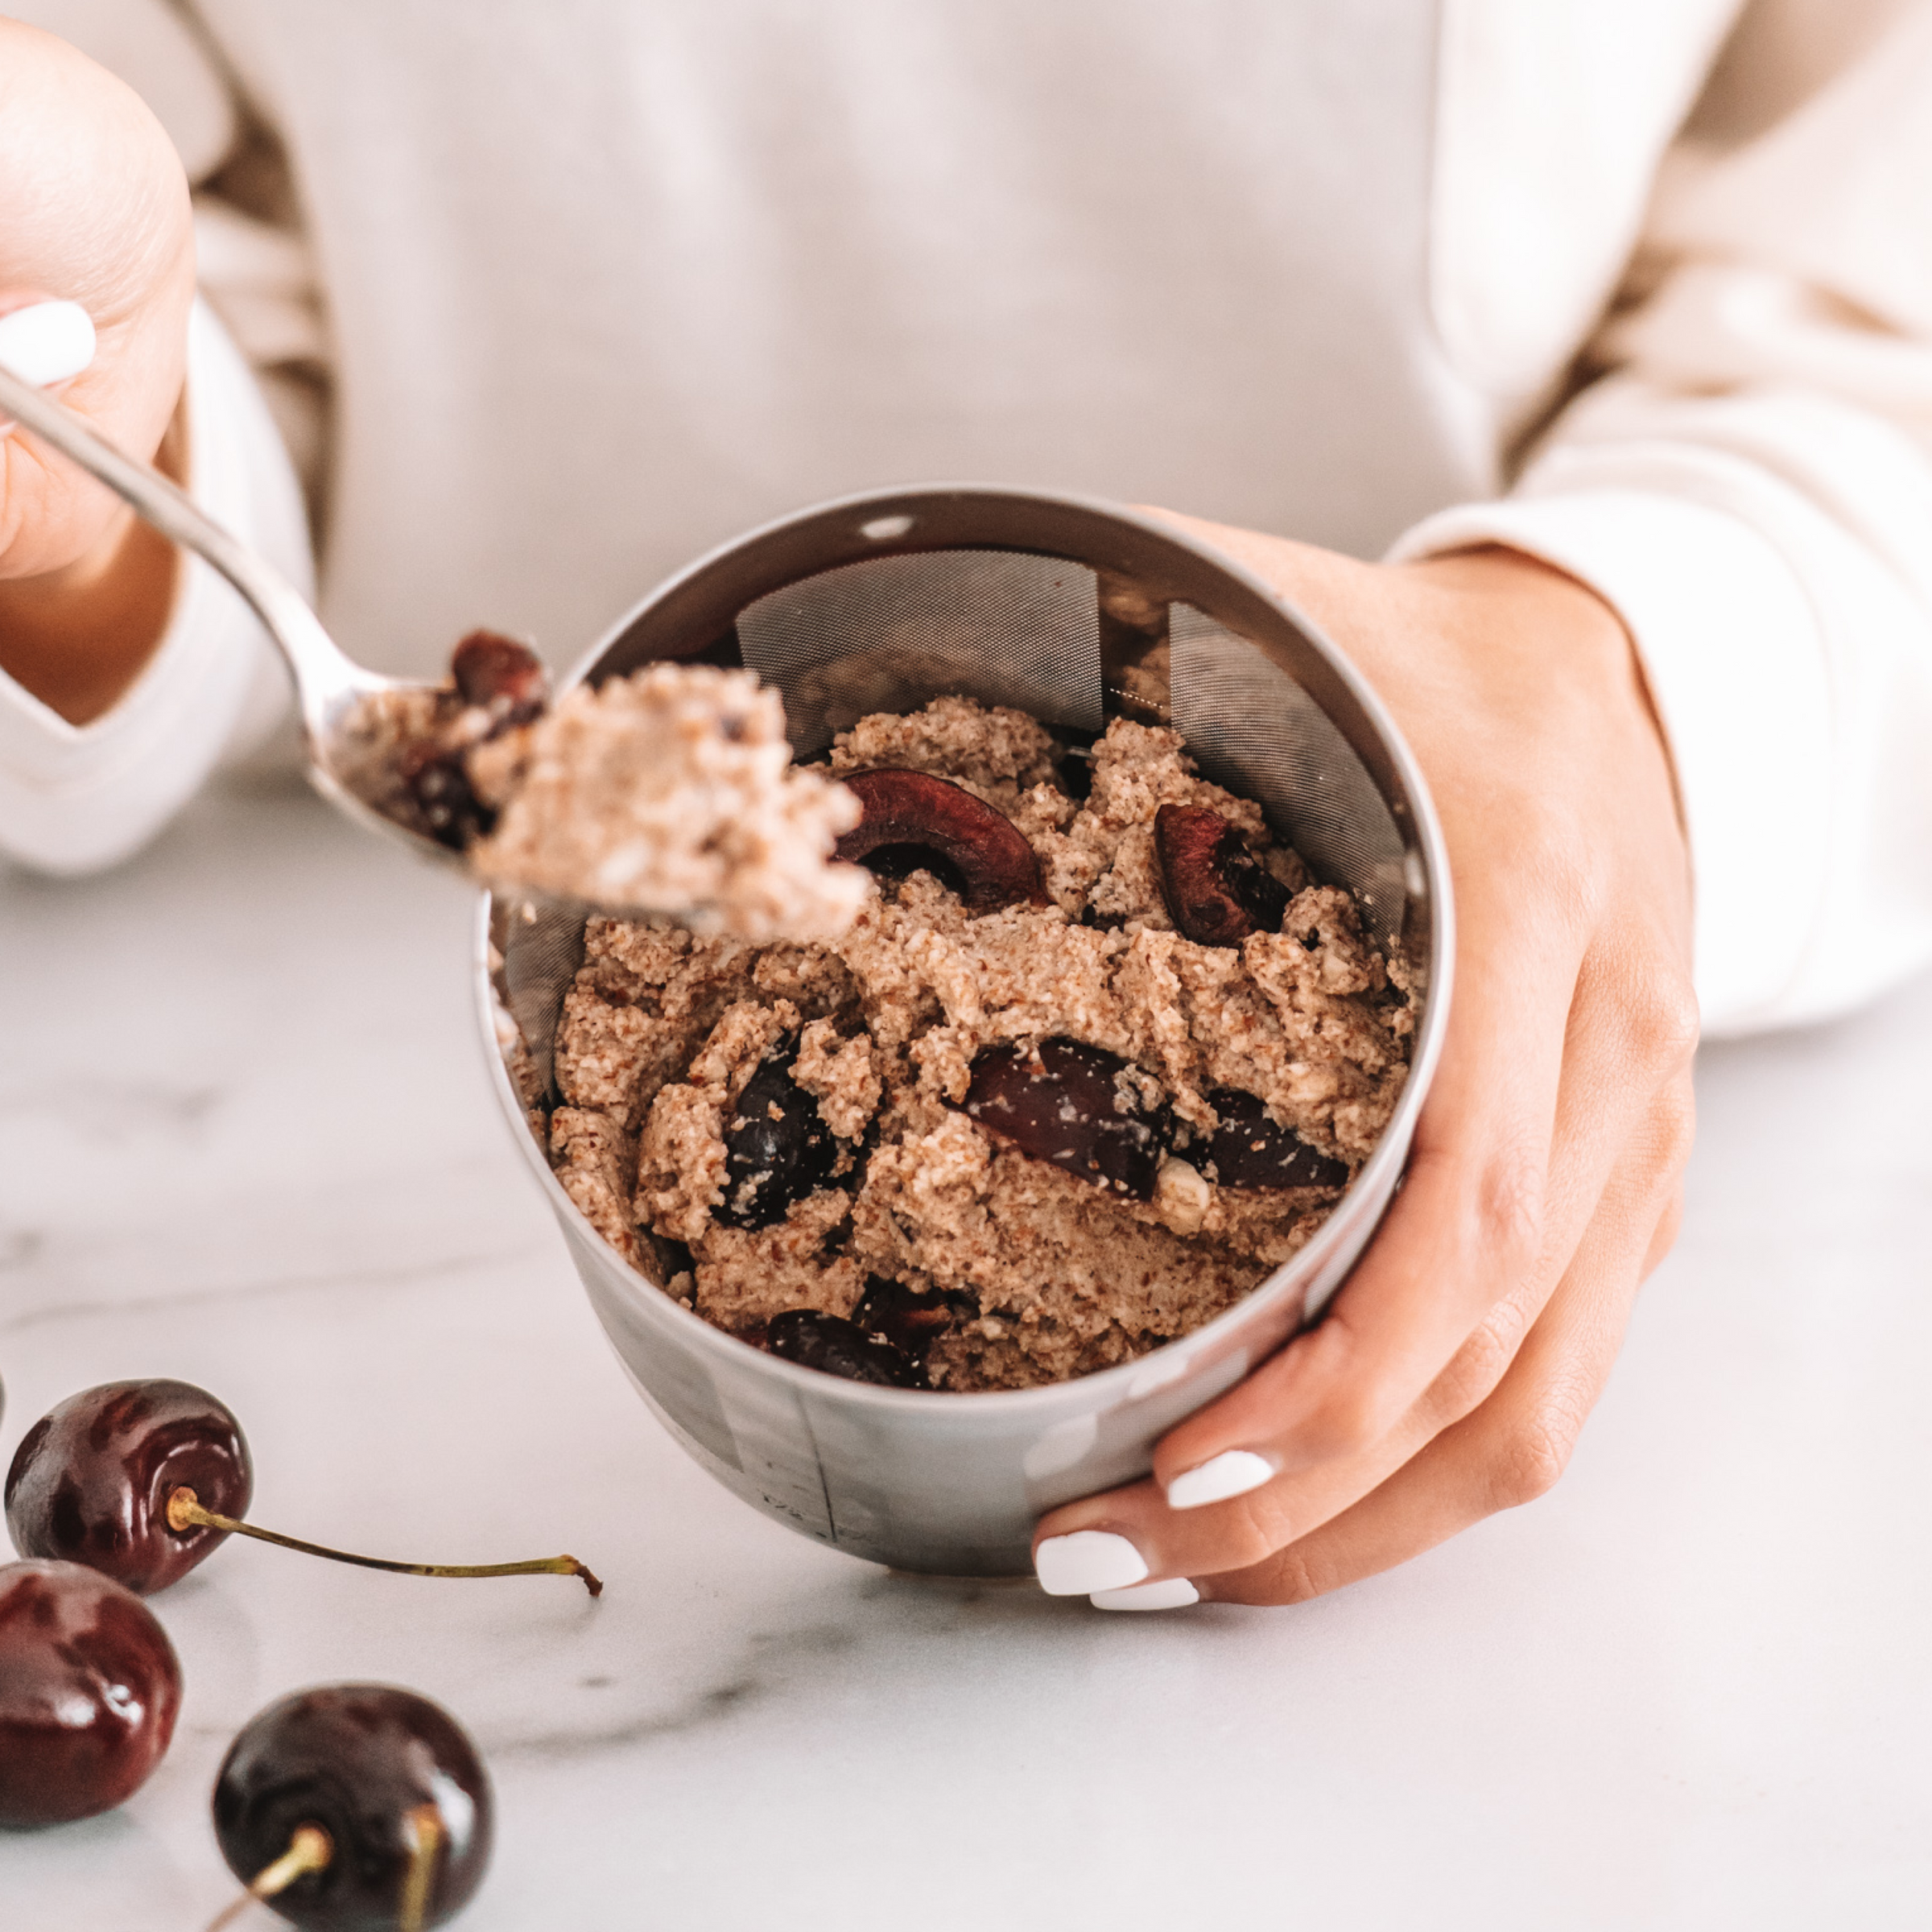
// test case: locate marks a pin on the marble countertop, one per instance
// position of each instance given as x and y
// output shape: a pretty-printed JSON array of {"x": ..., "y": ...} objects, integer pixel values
[{"x": 246, "y": 1140}]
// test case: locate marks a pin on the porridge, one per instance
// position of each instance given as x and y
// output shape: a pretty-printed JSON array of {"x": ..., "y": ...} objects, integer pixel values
[{"x": 1093, "y": 1056}]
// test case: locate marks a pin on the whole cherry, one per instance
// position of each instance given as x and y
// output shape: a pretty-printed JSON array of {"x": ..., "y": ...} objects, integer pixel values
[
  {"x": 355, "y": 1808},
  {"x": 89, "y": 1689},
  {"x": 142, "y": 1480},
  {"x": 90, "y": 1481}
]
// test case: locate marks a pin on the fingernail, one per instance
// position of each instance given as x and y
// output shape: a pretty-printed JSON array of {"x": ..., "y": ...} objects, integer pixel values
[
  {"x": 1086, "y": 1561},
  {"x": 1170, "y": 1593},
  {"x": 1233, "y": 1472},
  {"x": 46, "y": 343}
]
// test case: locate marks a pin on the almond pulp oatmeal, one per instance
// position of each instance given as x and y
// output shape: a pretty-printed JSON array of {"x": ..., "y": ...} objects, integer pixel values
[
  {"x": 1095, "y": 1056},
  {"x": 671, "y": 789}
]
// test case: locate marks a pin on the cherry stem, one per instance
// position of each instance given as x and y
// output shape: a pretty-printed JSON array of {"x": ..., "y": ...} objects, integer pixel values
[
  {"x": 426, "y": 1828},
  {"x": 184, "y": 1511},
  {"x": 310, "y": 1848}
]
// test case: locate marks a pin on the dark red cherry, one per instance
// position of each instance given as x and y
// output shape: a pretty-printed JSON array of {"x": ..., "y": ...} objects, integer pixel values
[
  {"x": 778, "y": 1148},
  {"x": 835, "y": 1345},
  {"x": 434, "y": 776},
  {"x": 90, "y": 1481},
  {"x": 492, "y": 674},
  {"x": 1216, "y": 892},
  {"x": 1066, "y": 1106},
  {"x": 504, "y": 677},
  {"x": 141, "y": 1480},
  {"x": 1249, "y": 1149},
  {"x": 911, "y": 1322},
  {"x": 89, "y": 1689},
  {"x": 912, "y": 818},
  {"x": 379, "y": 1794}
]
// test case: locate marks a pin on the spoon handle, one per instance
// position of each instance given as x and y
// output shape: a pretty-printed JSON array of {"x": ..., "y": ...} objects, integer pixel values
[{"x": 323, "y": 676}]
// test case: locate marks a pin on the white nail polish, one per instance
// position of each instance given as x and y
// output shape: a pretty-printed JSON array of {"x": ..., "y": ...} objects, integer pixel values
[
  {"x": 1170, "y": 1593},
  {"x": 46, "y": 343},
  {"x": 1233, "y": 1472},
  {"x": 1086, "y": 1561}
]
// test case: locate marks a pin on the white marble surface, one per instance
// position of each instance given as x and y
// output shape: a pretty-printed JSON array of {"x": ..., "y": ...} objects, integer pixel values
[{"x": 245, "y": 1139}]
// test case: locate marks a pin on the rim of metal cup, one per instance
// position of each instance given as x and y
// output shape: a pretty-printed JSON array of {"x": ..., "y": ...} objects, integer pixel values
[{"x": 700, "y": 604}]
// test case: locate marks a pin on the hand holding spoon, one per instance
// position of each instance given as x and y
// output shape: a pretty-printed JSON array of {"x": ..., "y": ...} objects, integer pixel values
[
  {"x": 666, "y": 792},
  {"x": 330, "y": 688}
]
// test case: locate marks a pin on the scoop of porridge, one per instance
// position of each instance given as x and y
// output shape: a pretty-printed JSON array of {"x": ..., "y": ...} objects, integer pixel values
[
  {"x": 1096, "y": 1055},
  {"x": 671, "y": 789}
]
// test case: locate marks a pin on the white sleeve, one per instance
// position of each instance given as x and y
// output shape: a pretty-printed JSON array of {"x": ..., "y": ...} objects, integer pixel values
[
  {"x": 76, "y": 798},
  {"x": 1751, "y": 488}
]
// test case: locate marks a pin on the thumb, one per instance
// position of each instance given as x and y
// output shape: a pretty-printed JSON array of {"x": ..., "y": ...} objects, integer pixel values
[{"x": 49, "y": 512}]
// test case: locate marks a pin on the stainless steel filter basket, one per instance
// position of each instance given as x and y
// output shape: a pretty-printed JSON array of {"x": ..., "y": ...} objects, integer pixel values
[{"x": 1074, "y": 610}]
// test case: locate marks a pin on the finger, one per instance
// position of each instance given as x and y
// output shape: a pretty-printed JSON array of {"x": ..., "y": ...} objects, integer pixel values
[
  {"x": 1667, "y": 1231},
  {"x": 1407, "y": 1319},
  {"x": 125, "y": 375},
  {"x": 1144, "y": 1535},
  {"x": 1468, "y": 1221},
  {"x": 47, "y": 343}
]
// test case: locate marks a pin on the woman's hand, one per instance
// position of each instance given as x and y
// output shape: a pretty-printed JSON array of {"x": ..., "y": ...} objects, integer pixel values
[
  {"x": 1454, "y": 1368},
  {"x": 93, "y": 209}
]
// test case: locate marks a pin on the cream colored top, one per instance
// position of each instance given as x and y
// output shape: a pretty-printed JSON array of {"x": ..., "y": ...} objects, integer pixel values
[{"x": 605, "y": 282}]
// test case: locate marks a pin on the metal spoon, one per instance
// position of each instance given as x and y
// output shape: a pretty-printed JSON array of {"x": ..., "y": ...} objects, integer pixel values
[{"x": 330, "y": 686}]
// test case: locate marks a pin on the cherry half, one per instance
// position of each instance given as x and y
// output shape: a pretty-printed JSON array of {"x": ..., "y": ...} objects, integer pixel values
[
  {"x": 497, "y": 683},
  {"x": 114, "y": 1478},
  {"x": 911, "y": 1321},
  {"x": 777, "y": 1150},
  {"x": 1063, "y": 1105},
  {"x": 500, "y": 676},
  {"x": 912, "y": 816},
  {"x": 835, "y": 1345},
  {"x": 355, "y": 1808},
  {"x": 89, "y": 1689},
  {"x": 1249, "y": 1149},
  {"x": 1216, "y": 892}
]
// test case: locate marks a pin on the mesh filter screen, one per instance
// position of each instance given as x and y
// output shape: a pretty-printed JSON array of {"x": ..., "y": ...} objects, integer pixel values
[
  {"x": 893, "y": 633},
  {"x": 1253, "y": 728},
  {"x": 541, "y": 948}
]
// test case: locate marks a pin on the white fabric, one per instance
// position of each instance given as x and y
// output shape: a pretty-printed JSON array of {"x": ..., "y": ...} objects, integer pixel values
[
  {"x": 608, "y": 283},
  {"x": 1549, "y": 121},
  {"x": 1753, "y": 494},
  {"x": 76, "y": 798}
]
